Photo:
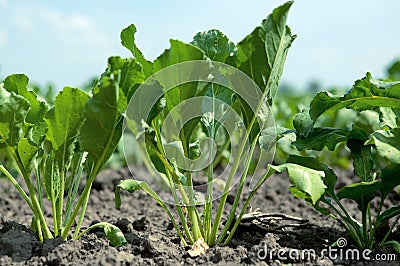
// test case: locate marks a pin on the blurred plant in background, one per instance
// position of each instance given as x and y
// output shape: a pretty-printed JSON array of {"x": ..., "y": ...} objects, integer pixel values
[
  {"x": 393, "y": 71},
  {"x": 290, "y": 101}
]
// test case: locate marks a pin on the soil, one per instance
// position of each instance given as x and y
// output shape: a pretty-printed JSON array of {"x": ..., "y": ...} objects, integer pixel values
[{"x": 153, "y": 241}]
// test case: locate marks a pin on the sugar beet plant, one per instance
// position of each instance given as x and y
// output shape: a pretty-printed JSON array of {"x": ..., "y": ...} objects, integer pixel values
[
  {"x": 199, "y": 100},
  {"x": 373, "y": 142},
  {"x": 57, "y": 147}
]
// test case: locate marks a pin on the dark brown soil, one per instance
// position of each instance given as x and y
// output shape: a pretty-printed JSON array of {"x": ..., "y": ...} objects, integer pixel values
[{"x": 153, "y": 241}]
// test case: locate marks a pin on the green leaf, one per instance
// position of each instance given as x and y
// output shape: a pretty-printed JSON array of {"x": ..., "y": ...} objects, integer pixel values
[
  {"x": 65, "y": 119},
  {"x": 130, "y": 74},
  {"x": 362, "y": 192},
  {"x": 330, "y": 179},
  {"x": 64, "y": 122},
  {"x": 305, "y": 179},
  {"x": 271, "y": 135},
  {"x": 366, "y": 94},
  {"x": 128, "y": 41},
  {"x": 362, "y": 161},
  {"x": 388, "y": 214},
  {"x": 388, "y": 117},
  {"x": 215, "y": 45},
  {"x": 51, "y": 178},
  {"x": 26, "y": 153},
  {"x": 102, "y": 128},
  {"x": 394, "y": 244},
  {"x": 387, "y": 144},
  {"x": 390, "y": 178},
  {"x": 18, "y": 83},
  {"x": 179, "y": 52},
  {"x": 13, "y": 111},
  {"x": 38, "y": 133},
  {"x": 115, "y": 235},
  {"x": 262, "y": 54},
  {"x": 320, "y": 138}
]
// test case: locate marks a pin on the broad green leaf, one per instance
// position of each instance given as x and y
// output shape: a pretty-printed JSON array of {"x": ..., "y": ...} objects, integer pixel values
[
  {"x": 38, "y": 133},
  {"x": 389, "y": 118},
  {"x": 305, "y": 179},
  {"x": 221, "y": 93},
  {"x": 131, "y": 74},
  {"x": 362, "y": 161},
  {"x": 215, "y": 45},
  {"x": 179, "y": 52},
  {"x": 302, "y": 195},
  {"x": 13, "y": 112},
  {"x": 102, "y": 128},
  {"x": 320, "y": 138},
  {"x": 387, "y": 144},
  {"x": 158, "y": 164},
  {"x": 330, "y": 179},
  {"x": 65, "y": 119},
  {"x": 128, "y": 41},
  {"x": 366, "y": 94},
  {"x": 390, "y": 178},
  {"x": 298, "y": 193},
  {"x": 26, "y": 153},
  {"x": 115, "y": 235},
  {"x": 64, "y": 122},
  {"x": 270, "y": 136},
  {"x": 175, "y": 152},
  {"x": 18, "y": 83},
  {"x": 362, "y": 192},
  {"x": 262, "y": 54}
]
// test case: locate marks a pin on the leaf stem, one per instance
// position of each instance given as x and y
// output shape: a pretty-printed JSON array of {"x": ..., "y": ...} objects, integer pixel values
[
  {"x": 16, "y": 185},
  {"x": 82, "y": 215},
  {"x": 261, "y": 181},
  {"x": 35, "y": 204},
  {"x": 238, "y": 194}
]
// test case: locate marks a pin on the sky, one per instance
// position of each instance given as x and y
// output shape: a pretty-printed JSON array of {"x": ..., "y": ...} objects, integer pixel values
[{"x": 68, "y": 42}]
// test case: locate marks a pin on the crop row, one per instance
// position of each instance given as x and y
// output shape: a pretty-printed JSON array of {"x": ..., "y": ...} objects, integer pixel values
[{"x": 198, "y": 107}]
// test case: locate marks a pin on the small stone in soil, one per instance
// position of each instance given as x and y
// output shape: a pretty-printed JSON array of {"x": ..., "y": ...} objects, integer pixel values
[
  {"x": 125, "y": 225},
  {"x": 140, "y": 225}
]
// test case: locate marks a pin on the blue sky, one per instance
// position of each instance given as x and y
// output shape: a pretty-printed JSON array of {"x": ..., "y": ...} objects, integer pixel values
[{"x": 68, "y": 42}]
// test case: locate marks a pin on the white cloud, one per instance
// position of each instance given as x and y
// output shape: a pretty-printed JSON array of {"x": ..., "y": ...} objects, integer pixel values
[
  {"x": 80, "y": 22},
  {"x": 75, "y": 29}
]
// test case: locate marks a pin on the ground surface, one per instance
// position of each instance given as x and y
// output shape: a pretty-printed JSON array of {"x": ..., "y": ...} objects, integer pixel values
[{"x": 152, "y": 240}]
